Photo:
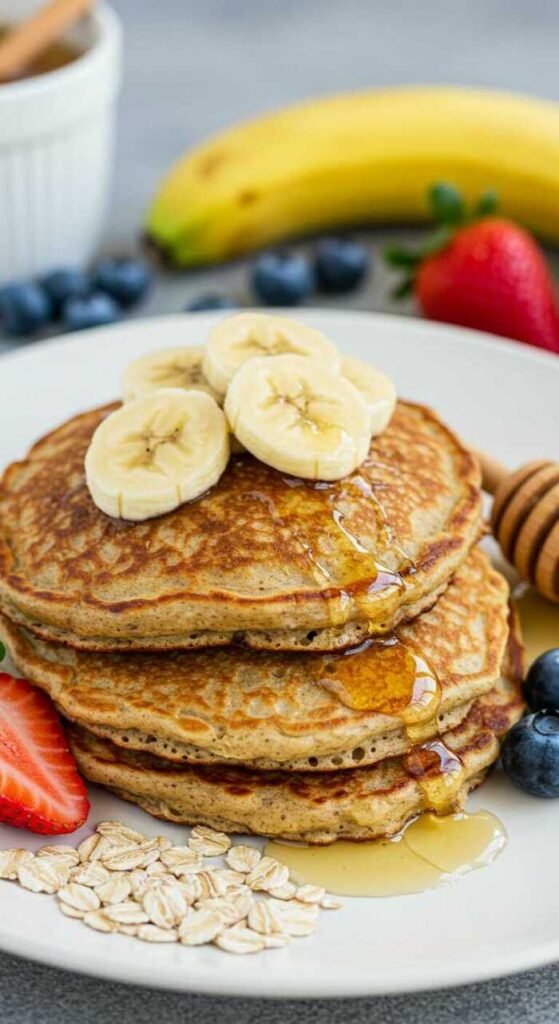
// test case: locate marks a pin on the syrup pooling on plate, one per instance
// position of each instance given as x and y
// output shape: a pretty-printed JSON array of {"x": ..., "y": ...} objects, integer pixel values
[
  {"x": 388, "y": 677},
  {"x": 430, "y": 852},
  {"x": 540, "y": 621}
]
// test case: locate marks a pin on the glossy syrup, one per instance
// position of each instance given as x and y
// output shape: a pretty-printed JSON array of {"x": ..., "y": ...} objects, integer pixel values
[
  {"x": 430, "y": 852},
  {"x": 386, "y": 677},
  {"x": 539, "y": 619}
]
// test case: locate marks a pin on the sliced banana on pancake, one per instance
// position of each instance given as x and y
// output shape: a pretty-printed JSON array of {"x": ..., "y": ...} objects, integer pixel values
[
  {"x": 377, "y": 389},
  {"x": 247, "y": 335},
  {"x": 299, "y": 416},
  {"x": 166, "y": 368},
  {"x": 157, "y": 452}
]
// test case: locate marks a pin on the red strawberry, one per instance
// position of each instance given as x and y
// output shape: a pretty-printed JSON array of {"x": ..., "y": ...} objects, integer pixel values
[
  {"x": 486, "y": 273},
  {"x": 40, "y": 788}
]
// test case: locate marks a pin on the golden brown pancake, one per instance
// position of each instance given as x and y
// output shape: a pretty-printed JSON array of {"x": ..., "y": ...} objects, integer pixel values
[
  {"x": 361, "y": 803},
  {"x": 261, "y": 552},
  {"x": 298, "y": 712}
]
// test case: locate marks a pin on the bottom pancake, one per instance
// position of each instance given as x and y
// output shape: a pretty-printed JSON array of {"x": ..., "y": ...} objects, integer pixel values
[{"x": 360, "y": 804}]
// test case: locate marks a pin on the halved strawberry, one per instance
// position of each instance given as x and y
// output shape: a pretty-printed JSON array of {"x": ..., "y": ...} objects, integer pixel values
[{"x": 40, "y": 788}]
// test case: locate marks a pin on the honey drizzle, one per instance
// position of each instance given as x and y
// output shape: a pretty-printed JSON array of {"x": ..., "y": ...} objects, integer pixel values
[
  {"x": 439, "y": 773},
  {"x": 387, "y": 677}
]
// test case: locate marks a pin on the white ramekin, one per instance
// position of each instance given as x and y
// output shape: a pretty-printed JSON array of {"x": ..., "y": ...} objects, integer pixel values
[{"x": 56, "y": 151}]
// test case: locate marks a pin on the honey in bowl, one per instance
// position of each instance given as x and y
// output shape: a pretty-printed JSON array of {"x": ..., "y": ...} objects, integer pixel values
[{"x": 57, "y": 55}]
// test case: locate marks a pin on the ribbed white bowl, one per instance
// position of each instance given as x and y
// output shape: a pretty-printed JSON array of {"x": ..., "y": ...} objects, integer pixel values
[{"x": 56, "y": 149}]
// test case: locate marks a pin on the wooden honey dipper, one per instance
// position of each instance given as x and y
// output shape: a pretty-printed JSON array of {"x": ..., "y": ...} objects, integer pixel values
[{"x": 525, "y": 519}]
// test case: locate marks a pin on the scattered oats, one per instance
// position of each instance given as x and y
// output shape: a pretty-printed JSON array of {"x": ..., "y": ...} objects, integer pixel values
[
  {"x": 268, "y": 874},
  {"x": 151, "y": 933},
  {"x": 190, "y": 887},
  {"x": 175, "y": 898},
  {"x": 210, "y": 884},
  {"x": 94, "y": 847},
  {"x": 208, "y": 842},
  {"x": 180, "y": 860},
  {"x": 163, "y": 843},
  {"x": 330, "y": 902},
  {"x": 116, "y": 889},
  {"x": 64, "y": 853},
  {"x": 69, "y": 911},
  {"x": 264, "y": 919},
  {"x": 138, "y": 879},
  {"x": 98, "y": 919},
  {"x": 127, "y": 912},
  {"x": 151, "y": 851},
  {"x": 79, "y": 896},
  {"x": 11, "y": 860},
  {"x": 91, "y": 873},
  {"x": 276, "y": 941},
  {"x": 156, "y": 868},
  {"x": 240, "y": 939},
  {"x": 310, "y": 893},
  {"x": 232, "y": 879},
  {"x": 199, "y": 927},
  {"x": 39, "y": 875},
  {"x": 231, "y": 909},
  {"x": 243, "y": 858},
  {"x": 118, "y": 859},
  {"x": 296, "y": 918},
  {"x": 121, "y": 833},
  {"x": 165, "y": 906},
  {"x": 284, "y": 892}
]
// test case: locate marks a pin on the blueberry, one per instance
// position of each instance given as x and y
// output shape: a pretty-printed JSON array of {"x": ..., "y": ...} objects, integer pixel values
[
  {"x": 341, "y": 264},
  {"x": 92, "y": 311},
  {"x": 66, "y": 283},
  {"x": 210, "y": 300},
  {"x": 126, "y": 281},
  {"x": 531, "y": 754},
  {"x": 542, "y": 682},
  {"x": 24, "y": 308},
  {"x": 282, "y": 278}
]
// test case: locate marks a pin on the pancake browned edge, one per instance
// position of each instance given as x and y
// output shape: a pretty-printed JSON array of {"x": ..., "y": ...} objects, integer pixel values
[
  {"x": 357, "y": 804},
  {"x": 282, "y": 711},
  {"x": 261, "y": 559}
]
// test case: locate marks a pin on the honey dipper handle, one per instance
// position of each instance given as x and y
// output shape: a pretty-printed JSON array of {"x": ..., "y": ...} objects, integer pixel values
[
  {"x": 27, "y": 40},
  {"x": 493, "y": 472}
]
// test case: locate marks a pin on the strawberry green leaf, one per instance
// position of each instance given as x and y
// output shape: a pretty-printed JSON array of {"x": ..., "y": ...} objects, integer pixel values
[
  {"x": 397, "y": 257},
  {"x": 487, "y": 203},
  {"x": 2, "y": 651},
  {"x": 446, "y": 203},
  {"x": 404, "y": 289}
]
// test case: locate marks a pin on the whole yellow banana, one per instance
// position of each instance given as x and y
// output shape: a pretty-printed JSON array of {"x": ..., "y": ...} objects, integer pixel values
[{"x": 357, "y": 159}]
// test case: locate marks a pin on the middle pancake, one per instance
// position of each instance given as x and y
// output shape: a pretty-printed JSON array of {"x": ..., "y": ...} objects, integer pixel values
[{"x": 297, "y": 712}]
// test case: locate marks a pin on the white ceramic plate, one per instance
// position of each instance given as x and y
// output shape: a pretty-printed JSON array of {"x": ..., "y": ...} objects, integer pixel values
[{"x": 505, "y": 918}]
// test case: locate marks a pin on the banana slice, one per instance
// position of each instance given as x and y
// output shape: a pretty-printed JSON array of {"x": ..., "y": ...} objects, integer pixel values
[
  {"x": 299, "y": 416},
  {"x": 246, "y": 335},
  {"x": 157, "y": 452},
  {"x": 377, "y": 389},
  {"x": 166, "y": 368}
]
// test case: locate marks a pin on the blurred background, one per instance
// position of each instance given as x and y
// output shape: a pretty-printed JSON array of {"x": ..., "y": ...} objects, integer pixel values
[{"x": 192, "y": 69}]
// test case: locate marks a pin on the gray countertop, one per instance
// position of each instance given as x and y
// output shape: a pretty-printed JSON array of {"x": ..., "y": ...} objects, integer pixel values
[{"x": 193, "y": 66}]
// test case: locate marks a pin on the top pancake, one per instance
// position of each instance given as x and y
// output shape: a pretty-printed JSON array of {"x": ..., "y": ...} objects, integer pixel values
[{"x": 260, "y": 552}]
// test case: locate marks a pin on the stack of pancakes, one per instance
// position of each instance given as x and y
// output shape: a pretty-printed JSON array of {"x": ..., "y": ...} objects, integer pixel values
[{"x": 284, "y": 657}]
